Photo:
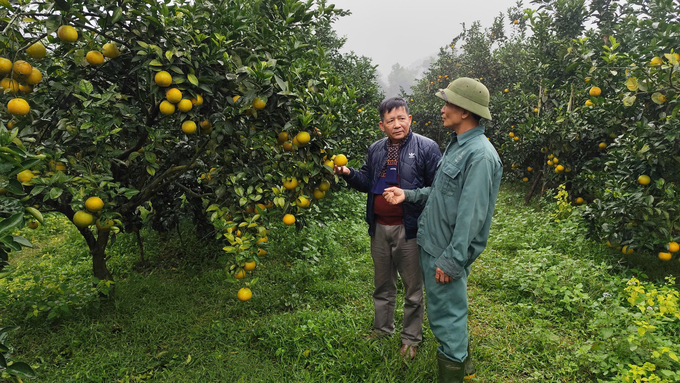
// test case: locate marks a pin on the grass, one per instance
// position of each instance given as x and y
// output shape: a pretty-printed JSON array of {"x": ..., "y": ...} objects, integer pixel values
[{"x": 178, "y": 319}]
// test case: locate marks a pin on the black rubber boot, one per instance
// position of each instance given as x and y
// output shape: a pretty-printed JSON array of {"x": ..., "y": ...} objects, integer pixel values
[
  {"x": 450, "y": 371},
  {"x": 468, "y": 366}
]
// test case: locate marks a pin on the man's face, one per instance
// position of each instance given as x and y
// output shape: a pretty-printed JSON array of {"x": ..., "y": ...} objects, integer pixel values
[
  {"x": 452, "y": 115},
  {"x": 396, "y": 124}
]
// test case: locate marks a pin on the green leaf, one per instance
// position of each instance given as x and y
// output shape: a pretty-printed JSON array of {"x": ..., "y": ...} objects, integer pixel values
[
  {"x": 629, "y": 100},
  {"x": 22, "y": 241},
  {"x": 63, "y": 5},
  {"x": 21, "y": 369},
  {"x": 155, "y": 62},
  {"x": 116, "y": 15},
  {"x": 10, "y": 223},
  {"x": 3, "y": 362},
  {"x": 150, "y": 170},
  {"x": 192, "y": 79},
  {"x": 143, "y": 44},
  {"x": 55, "y": 193},
  {"x": 168, "y": 55},
  {"x": 85, "y": 86}
]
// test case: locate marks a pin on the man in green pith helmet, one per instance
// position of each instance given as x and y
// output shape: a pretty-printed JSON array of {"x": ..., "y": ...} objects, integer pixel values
[{"x": 454, "y": 226}]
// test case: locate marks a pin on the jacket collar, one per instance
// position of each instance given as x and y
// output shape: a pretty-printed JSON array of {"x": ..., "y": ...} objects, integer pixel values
[
  {"x": 470, "y": 134},
  {"x": 404, "y": 141}
]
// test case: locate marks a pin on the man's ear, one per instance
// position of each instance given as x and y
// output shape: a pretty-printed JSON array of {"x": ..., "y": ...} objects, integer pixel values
[{"x": 380, "y": 124}]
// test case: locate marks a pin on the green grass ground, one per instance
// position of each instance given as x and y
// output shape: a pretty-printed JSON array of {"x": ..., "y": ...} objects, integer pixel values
[{"x": 178, "y": 319}]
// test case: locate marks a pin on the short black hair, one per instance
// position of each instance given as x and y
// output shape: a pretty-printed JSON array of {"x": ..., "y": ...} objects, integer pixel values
[{"x": 391, "y": 104}]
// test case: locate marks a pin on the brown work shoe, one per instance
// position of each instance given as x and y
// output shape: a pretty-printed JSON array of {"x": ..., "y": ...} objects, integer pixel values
[{"x": 408, "y": 351}]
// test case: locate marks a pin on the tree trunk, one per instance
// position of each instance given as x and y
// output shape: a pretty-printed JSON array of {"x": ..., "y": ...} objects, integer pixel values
[
  {"x": 531, "y": 191},
  {"x": 99, "y": 259},
  {"x": 141, "y": 247}
]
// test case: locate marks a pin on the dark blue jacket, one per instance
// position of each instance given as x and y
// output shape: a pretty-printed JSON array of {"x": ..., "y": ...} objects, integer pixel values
[{"x": 418, "y": 161}]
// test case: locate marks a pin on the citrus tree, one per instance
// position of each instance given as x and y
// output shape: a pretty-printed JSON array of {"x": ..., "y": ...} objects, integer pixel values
[{"x": 231, "y": 107}]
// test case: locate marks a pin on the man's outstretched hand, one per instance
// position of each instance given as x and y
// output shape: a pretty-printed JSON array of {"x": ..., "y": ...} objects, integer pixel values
[
  {"x": 394, "y": 195},
  {"x": 341, "y": 170}
]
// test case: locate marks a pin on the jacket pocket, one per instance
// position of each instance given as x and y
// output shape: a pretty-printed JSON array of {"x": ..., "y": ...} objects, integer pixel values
[{"x": 450, "y": 180}]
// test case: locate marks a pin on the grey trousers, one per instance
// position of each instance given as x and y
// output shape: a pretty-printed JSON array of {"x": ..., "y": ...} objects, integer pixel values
[{"x": 393, "y": 254}]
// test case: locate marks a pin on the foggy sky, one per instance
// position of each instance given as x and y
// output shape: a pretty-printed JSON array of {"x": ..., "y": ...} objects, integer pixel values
[{"x": 391, "y": 31}]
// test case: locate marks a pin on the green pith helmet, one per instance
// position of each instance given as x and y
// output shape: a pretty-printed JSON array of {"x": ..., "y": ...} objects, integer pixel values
[{"x": 468, "y": 94}]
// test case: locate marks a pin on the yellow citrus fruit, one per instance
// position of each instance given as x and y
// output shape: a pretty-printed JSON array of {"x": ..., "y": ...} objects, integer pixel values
[
  {"x": 589, "y": 103},
  {"x": 94, "y": 58},
  {"x": 673, "y": 247},
  {"x": 530, "y": 169},
  {"x": 111, "y": 50},
  {"x": 197, "y": 101},
  {"x": 516, "y": 22},
  {"x": 511, "y": 134},
  {"x": 250, "y": 266},
  {"x": 644, "y": 179},
  {"x": 36, "y": 51},
  {"x": 580, "y": 201},
  {"x": 555, "y": 160},
  {"x": 324, "y": 185},
  {"x": 240, "y": 275},
  {"x": 289, "y": 219},
  {"x": 340, "y": 160},
  {"x": 104, "y": 224},
  {"x": 244, "y": 294},
  {"x": 664, "y": 256},
  {"x": 5, "y": 66},
  {"x": 516, "y": 138},
  {"x": 184, "y": 105},
  {"x": 189, "y": 127},
  {"x": 94, "y": 204},
  {"x": 33, "y": 224},
  {"x": 302, "y": 201},
  {"x": 329, "y": 163},
  {"x": 12, "y": 85},
  {"x": 82, "y": 219},
  {"x": 173, "y": 95},
  {"x": 506, "y": 90},
  {"x": 24, "y": 176},
  {"x": 167, "y": 108},
  {"x": 525, "y": 179},
  {"x": 282, "y": 137},
  {"x": 595, "y": 91},
  {"x": 288, "y": 146},
  {"x": 550, "y": 163},
  {"x": 656, "y": 61},
  {"x": 67, "y": 34},
  {"x": 22, "y": 68},
  {"x": 18, "y": 107},
  {"x": 163, "y": 79},
  {"x": 262, "y": 240},
  {"x": 290, "y": 183},
  {"x": 235, "y": 98},
  {"x": 295, "y": 141},
  {"x": 318, "y": 193},
  {"x": 34, "y": 78},
  {"x": 258, "y": 103},
  {"x": 535, "y": 110},
  {"x": 602, "y": 145},
  {"x": 627, "y": 250},
  {"x": 302, "y": 138},
  {"x": 26, "y": 88},
  {"x": 261, "y": 252},
  {"x": 559, "y": 169},
  {"x": 60, "y": 167}
]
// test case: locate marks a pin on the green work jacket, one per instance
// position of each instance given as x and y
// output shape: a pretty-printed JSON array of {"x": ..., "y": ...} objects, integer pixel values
[{"x": 454, "y": 225}]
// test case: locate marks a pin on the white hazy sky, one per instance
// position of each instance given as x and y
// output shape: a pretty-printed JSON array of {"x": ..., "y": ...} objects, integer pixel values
[{"x": 403, "y": 31}]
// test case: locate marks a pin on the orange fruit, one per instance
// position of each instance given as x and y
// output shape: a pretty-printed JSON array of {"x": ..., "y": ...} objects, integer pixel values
[
  {"x": 22, "y": 68},
  {"x": 33, "y": 225},
  {"x": 580, "y": 201},
  {"x": 302, "y": 202},
  {"x": 289, "y": 219},
  {"x": 324, "y": 185},
  {"x": 303, "y": 138},
  {"x": 8, "y": 83},
  {"x": 559, "y": 169},
  {"x": 511, "y": 134},
  {"x": 189, "y": 127},
  {"x": 673, "y": 247},
  {"x": 602, "y": 145},
  {"x": 244, "y": 294},
  {"x": 664, "y": 256},
  {"x": 94, "y": 58},
  {"x": 288, "y": 146},
  {"x": 36, "y": 51},
  {"x": 627, "y": 250},
  {"x": 318, "y": 193},
  {"x": 240, "y": 275},
  {"x": 516, "y": 138},
  {"x": 250, "y": 266},
  {"x": 340, "y": 160},
  {"x": 82, "y": 219},
  {"x": 197, "y": 101},
  {"x": 184, "y": 105},
  {"x": 261, "y": 252},
  {"x": 111, "y": 50},
  {"x": 167, "y": 108},
  {"x": 530, "y": 169},
  {"x": 5, "y": 66},
  {"x": 656, "y": 61},
  {"x": 18, "y": 107},
  {"x": 104, "y": 224},
  {"x": 290, "y": 183},
  {"x": 595, "y": 91},
  {"x": 94, "y": 204},
  {"x": 525, "y": 179},
  {"x": 163, "y": 79},
  {"x": 644, "y": 179},
  {"x": 282, "y": 137},
  {"x": 262, "y": 240},
  {"x": 589, "y": 103},
  {"x": 34, "y": 78},
  {"x": 258, "y": 103},
  {"x": 67, "y": 34},
  {"x": 173, "y": 95},
  {"x": 24, "y": 176}
]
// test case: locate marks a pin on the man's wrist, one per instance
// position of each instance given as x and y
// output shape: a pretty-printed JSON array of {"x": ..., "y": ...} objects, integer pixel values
[{"x": 408, "y": 195}]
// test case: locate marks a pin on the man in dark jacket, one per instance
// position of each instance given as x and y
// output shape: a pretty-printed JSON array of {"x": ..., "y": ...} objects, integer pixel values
[{"x": 408, "y": 160}]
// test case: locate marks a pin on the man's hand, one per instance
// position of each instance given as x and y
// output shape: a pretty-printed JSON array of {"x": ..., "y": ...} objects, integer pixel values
[
  {"x": 441, "y": 277},
  {"x": 341, "y": 170},
  {"x": 393, "y": 195}
]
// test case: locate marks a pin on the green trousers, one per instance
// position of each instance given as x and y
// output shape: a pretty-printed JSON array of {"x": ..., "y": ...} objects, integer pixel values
[{"x": 447, "y": 310}]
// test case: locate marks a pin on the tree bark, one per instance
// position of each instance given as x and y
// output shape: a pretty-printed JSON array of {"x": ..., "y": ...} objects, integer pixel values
[
  {"x": 141, "y": 246},
  {"x": 530, "y": 192},
  {"x": 99, "y": 259}
]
